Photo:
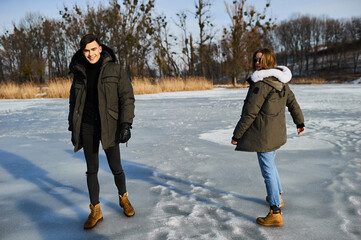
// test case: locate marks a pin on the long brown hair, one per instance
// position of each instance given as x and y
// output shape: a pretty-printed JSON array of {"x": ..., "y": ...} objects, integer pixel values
[{"x": 268, "y": 59}]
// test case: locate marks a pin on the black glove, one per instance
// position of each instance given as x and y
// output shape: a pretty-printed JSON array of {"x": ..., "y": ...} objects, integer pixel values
[
  {"x": 235, "y": 139},
  {"x": 125, "y": 132}
]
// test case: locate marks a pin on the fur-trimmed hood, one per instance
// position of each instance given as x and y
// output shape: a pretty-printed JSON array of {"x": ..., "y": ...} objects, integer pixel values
[
  {"x": 282, "y": 73},
  {"x": 78, "y": 61}
]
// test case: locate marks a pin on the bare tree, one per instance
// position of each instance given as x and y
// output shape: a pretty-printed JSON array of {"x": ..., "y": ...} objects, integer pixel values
[
  {"x": 131, "y": 29},
  {"x": 284, "y": 37},
  {"x": 317, "y": 29},
  {"x": 74, "y": 26},
  {"x": 185, "y": 42},
  {"x": 305, "y": 42},
  {"x": 247, "y": 30},
  {"x": 23, "y": 50},
  {"x": 353, "y": 27},
  {"x": 2, "y": 66},
  {"x": 203, "y": 16},
  {"x": 164, "y": 56}
]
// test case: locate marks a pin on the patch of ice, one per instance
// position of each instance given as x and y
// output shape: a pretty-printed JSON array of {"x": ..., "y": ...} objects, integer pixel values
[
  {"x": 306, "y": 143},
  {"x": 357, "y": 81},
  {"x": 223, "y": 137},
  {"x": 217, "y": 92},
  {"x": 220, "y": 136}
]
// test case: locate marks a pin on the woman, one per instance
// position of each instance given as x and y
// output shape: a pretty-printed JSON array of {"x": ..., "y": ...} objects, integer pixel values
[{"x": 262, "y": 127}]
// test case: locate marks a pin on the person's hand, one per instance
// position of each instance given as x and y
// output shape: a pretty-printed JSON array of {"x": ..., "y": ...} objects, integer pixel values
[
  {"x": 125, "y": 132},
  {"x": 301, "y": 130},
  {"x": 233, "y": 142}
]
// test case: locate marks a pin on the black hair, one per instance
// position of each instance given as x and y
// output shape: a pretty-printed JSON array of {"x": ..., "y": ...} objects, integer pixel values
[{"x": 88, "y": 38}]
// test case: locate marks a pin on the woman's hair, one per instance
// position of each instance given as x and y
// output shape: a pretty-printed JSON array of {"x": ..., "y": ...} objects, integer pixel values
[
  {"x": 88, "y": 39},
  {"x": 268, "y": 59}
]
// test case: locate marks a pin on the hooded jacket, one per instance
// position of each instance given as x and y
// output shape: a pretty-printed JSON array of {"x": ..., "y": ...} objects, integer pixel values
[
  {"x": 262, "y": 127},
  {"x": 115, "y": 98}
]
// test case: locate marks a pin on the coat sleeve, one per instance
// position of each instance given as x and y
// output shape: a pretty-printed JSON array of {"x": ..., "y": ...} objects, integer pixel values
[
  {"x": 71, "y": 107},
  {"x": 126, "y": 98},
  {"x": 256, "y": 96},
  {"x": 294, "y": 107}
]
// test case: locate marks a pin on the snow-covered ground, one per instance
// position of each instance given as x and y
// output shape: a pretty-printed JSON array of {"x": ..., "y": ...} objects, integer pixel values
[{"x": 184, "y": 178}]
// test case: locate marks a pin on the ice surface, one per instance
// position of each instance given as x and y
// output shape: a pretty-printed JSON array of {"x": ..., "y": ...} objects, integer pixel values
[{"x": 183, "y": 176}]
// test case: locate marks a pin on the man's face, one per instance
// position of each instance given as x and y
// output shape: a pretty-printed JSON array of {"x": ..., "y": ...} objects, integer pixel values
[{"x": 92, "y": 52}]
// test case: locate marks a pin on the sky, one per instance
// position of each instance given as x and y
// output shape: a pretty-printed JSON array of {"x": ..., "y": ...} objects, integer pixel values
[{"x": 12, "y": 11}]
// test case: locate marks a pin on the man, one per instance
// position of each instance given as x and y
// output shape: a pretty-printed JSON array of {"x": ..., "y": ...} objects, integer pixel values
[{"x": 101, "y": 108}]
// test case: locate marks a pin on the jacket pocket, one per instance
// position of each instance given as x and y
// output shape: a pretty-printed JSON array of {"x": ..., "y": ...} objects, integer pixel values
[
  {"x": 113, "y": 114},
  {"x": 110, "y": 79},
  {"x": 110, "y": 85}
]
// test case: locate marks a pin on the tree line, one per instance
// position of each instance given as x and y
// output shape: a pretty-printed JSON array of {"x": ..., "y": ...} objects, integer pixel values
[
  {"x": 319, "y": 44},
  {"x": 39, "y": 49}
]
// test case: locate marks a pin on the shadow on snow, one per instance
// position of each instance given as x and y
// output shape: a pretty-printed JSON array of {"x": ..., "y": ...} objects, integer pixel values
[
  {"x": 50, "y": 224},
  {"x": 143, "y": 172}
]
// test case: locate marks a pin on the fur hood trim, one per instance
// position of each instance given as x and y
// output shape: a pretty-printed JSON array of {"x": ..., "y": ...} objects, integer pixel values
[{"x": 282, "y": 73}]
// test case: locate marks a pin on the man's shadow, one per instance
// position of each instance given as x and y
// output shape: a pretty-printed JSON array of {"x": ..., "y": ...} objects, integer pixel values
[
  {"x": 48, "y": 221},
  {"x": 54, "y": 225},
  {"x": 21, "y": 168},
  {"x": 143, "y": 172}
]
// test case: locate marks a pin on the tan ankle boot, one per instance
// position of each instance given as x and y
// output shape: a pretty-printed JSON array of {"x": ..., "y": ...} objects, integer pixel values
[
  {"x": 95, "y": 216},
  {"x": 125, "y": 204},
  {"x": 273, "y": 218},
  {"x": 282, "y": 203}
]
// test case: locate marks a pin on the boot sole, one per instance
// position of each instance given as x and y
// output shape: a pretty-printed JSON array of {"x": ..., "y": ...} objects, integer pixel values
[
  {"x": 129, "y": 215},
  {"x": 271, "y": 225},
  {"x": 100, "y": 219}
]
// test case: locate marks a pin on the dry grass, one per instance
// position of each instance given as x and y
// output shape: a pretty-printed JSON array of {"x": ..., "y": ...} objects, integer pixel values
[
  {"x": 232, "y": 86},
  {"x": 314, "y": 80},
  {"x": 145, "y": 86},
  {"x": 16, "y": 91},
  {"x": 60, "y": 88}
]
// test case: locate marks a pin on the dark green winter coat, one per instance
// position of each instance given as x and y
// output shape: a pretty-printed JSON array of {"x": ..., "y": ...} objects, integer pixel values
[
  {"x": 115, "y": 97},
  {"x": 262, "y": 127}
]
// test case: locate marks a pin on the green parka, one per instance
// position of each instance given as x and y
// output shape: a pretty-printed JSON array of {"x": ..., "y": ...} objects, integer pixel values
[
  {"x": 115, "y": 97},
  {"x": 262, "y": 127}
]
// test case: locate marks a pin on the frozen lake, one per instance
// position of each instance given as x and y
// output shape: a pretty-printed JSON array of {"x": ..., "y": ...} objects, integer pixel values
[{"x": 184, "y": 178}]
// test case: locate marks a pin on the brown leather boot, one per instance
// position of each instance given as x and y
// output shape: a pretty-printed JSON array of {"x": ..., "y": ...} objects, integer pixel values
[
  {"x": 125, "y": 204},
  {"x": 282, "y": 203},
  {"x": 273, "y": 218},
  {"x": 95, "y": 216}
]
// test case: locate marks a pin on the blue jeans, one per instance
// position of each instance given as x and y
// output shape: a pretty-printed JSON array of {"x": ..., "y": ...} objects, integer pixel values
[{"x": 271, "y": 177}]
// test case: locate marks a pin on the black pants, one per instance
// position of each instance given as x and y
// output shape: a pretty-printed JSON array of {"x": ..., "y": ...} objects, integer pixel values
[{"x": 91, "y": 137}]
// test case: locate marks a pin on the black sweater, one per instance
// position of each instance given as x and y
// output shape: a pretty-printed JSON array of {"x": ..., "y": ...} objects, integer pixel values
[{"x": 91, "y": 107}]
